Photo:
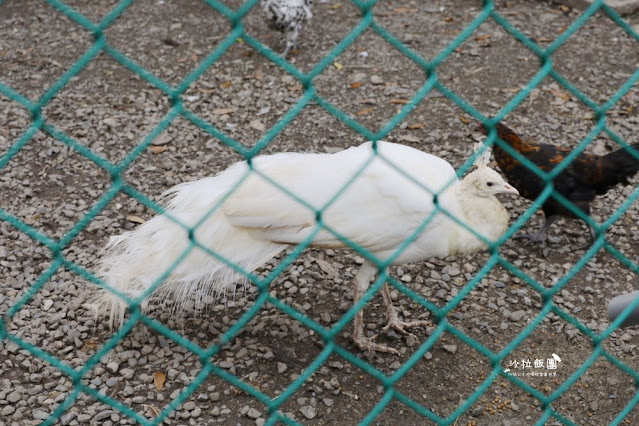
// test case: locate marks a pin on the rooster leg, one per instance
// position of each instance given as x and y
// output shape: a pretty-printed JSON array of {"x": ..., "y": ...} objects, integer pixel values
[
  {"x": 291, "y": 41},
  {"x": 393, "y": 319},
  {"x": 361, "y": 283},
  {"x": 286, "y": 49},
  {"x": 540, "y": 236},
  {"x": 590, "y": 241}
]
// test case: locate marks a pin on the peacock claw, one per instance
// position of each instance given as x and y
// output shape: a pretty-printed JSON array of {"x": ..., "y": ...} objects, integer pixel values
[
  {"x": 367, "y": 344},
  {"x": 400, "y": 326}
]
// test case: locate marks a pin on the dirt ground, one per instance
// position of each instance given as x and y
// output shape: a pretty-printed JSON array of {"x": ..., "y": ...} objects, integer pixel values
[{"x": 111, "y": 110}]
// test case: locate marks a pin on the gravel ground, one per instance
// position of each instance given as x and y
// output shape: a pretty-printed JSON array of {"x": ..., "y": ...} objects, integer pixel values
[{"x": 110, "y": 110}]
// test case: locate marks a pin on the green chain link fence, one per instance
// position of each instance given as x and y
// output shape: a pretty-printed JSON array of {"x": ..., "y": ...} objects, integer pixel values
[{"x": 235, "y": 17}]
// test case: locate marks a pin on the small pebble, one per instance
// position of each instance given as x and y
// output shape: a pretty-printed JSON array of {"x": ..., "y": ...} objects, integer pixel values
[
  {"x": 309, "y": 412},
  {"x": 450, "y": 348},
  {"x": 517, "y": 315},
  {"x": 253, "y": 414}
]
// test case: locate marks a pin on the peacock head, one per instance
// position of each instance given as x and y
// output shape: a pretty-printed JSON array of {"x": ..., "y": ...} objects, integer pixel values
[{"x": 484, "y": 181}]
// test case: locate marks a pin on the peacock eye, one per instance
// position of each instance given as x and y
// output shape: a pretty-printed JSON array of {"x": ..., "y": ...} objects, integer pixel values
[{"x": 489, "y": 184}]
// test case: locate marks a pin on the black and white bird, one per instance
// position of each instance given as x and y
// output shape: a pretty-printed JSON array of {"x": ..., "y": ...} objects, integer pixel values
[
  {"x": 250, "y": 221},
  {"x": 289, "y": 17}
]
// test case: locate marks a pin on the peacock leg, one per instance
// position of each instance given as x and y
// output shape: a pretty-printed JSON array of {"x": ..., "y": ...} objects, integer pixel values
[
  {"x": 361, "y": 282},
  {"x": 393, "y": 319}
]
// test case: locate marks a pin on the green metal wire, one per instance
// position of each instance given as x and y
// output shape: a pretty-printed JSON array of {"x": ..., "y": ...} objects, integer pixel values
[{"x": 431, "y": 82}]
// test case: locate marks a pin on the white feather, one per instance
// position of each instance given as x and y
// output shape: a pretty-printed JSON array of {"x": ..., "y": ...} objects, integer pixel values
[
  {"x": 251, "y": 220},
  {"x": 482, "y": 159}
]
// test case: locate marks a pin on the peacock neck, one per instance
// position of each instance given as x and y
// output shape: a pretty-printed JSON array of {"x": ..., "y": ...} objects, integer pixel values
[{"x": 483, "y": 214}]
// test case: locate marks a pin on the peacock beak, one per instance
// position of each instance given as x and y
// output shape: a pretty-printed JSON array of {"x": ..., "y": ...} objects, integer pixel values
[{"x": 509, "y": 189}]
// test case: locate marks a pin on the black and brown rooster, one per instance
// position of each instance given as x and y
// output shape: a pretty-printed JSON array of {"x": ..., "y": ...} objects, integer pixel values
[{"x": 586, "y": 177}]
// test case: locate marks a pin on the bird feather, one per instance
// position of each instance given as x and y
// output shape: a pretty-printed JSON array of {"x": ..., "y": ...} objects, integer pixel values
[{"x": 375, "y": 195}]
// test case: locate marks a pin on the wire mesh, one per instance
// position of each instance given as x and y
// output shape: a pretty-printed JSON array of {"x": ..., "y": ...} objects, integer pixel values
[{"x": 175, "y": 94}]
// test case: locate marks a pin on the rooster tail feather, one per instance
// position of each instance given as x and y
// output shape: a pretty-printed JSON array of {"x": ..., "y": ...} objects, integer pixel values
[
  {"x": 624, "y": 159},
  {"x": 618, "y": 166},
  {"x": 132, "y": 262}
]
